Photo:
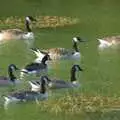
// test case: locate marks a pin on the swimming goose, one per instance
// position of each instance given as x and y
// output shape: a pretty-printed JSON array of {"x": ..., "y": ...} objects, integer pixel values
[
  {"x": 36, "y": 68},
  {"x": 11, "y": 80},
  {"x": 57, "y": 84},
  {"x": 107, "y": 42},
  {"x": 18, "y": 34},
  {"x": 24, "y": 96},
  {"x": 61, "y": 53}
]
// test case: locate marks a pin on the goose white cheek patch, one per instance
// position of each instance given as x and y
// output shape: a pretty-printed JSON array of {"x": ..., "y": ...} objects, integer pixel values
[{"x": 75, "y": 39}]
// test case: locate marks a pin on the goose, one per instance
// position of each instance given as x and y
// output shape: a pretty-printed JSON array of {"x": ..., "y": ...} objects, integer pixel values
[
  {"x": 18, "y": 34},
  {"x": 11, "y": 80},
  {"x": 107, "y": 42},
  {"x": 36, "y": 68},
  {"x": 61, "y": 53},
  {"x": 58, "y": 83},
  {"x": 24, "y": 96}
]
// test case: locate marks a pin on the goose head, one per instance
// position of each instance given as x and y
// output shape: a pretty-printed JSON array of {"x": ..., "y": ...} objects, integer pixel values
[
  {"x": 30, "y": 19},
  {"x": 77, "y": 39},
  {"x": 46, "y": 58},
  {"x": 36, "y": 85},
  {"x": 75, "y": 68},
  {"x": 29, "y": 34},
  {"x": 45, "y": 77},
  {"x": 75, "y": 46},
  {"x": 12, "y": 67}
]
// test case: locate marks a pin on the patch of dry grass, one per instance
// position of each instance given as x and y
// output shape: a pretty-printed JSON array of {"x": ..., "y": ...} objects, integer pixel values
[
  {"x": 75, "y": 104},
  {"x": 42, "y": 21}
]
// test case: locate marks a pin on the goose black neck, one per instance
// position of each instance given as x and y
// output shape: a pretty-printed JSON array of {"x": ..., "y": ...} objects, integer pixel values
[
  {"x": 73, "y": 75},
  {"x": 44, "y": 60},
  {"x": 11, "y": 75},
  {"x": 43, "y": 88},
  {"x": 28, "y": 26},
  {"x": 75, "y": 47}
]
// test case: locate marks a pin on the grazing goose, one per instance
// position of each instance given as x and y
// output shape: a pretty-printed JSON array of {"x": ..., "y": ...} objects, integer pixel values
[
  {"x": 109, "y": 42},
  {"x": 18, "y": 34},
  {"x": 56, "y": 84},
  {"x": 11, "y": 80},
  {"x": 36, "y": 68},
  {"x": 61, "y": 53},
  {"x": 25, "y": 96}
]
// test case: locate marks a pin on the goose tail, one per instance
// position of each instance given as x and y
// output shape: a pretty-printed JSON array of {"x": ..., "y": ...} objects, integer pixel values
[
  {"x": 38, "y": 53},
  {"x": 22, "y": 73},
  {"x": 34, "y": 86},
  {"x": 101, "y": 40}
]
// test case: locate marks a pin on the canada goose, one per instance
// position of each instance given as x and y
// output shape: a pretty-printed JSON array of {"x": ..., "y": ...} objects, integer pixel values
[
  {"x": 11, "y": 80},
  {"x": 24, "y": 96},
  {"x": 18, "y": 34},
  {"x": 36, "y": 68},
  {"x": 57, "y": 84},
  {"x": 107, "y": 42},
  {"x": 61, "y": 53}
]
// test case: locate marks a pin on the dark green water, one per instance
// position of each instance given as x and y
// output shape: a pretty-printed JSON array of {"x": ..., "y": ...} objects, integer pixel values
[{"x": 101, "y": 70}]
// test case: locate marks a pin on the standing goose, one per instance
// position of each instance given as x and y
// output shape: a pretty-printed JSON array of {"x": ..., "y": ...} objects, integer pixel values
[
  {"x": 61, "y": 53},
  {"x": 11, "y": 80},
  {"x": 57, "y": 84},
  {"x": 36, "y": 68},
  {"x": 25, "y": 96},
  {"x": 18, "y": 34},
  {"x": 107, "y": 42}
]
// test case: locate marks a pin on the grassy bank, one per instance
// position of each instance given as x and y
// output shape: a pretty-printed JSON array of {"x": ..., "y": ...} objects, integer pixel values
[
  {"x": 76, "y": 104},
  {"x": 42, "y": 21}
]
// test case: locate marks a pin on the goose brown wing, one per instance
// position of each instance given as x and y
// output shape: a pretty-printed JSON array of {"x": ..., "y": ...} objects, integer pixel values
[
  {"x": 35, "y": 66},
  {"x": 60, "y": 51},
  {"x": 111, "y": 38},
  {"x": 23, "y": 94},
  {"x": 32, "y": 66},
  {"x": 13, "y": 31}
]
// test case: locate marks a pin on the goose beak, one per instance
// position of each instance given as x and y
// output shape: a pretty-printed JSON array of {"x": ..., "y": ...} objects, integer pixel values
[
  {"x": 81, "y": 40},
  {"x": 80, "y": 69},
  {"x": 78, "y": 39},
  {"x": 33, "y": 49},
  {"x": 17, "y": 69},
  {"x": 34, "y": 20}
]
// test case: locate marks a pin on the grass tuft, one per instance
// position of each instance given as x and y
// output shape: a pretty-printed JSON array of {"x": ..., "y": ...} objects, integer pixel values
[
  {"x": 42, "y": 21},
  {"x": 75, "y": 104}
]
